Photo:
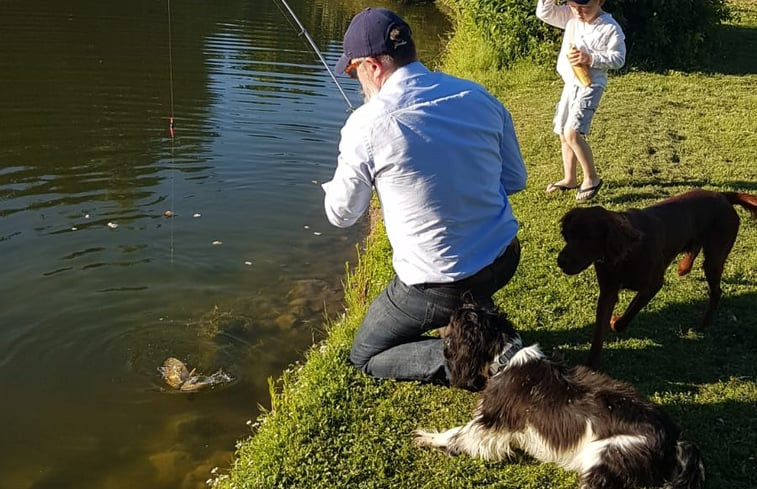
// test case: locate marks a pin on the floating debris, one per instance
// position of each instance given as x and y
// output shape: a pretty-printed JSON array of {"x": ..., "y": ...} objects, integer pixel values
[
  {"x": 196, "y": 214},
  {"x": 217, "y": 243},
  {"x": 306, "y": 226},
  {"x": 112, "y": 225},
  {"x": 316, "y": 233},
  {"x": 248, "y": 263},
  {"x": 168, "y": 213},
  {"x": 74, "y": 228},
  {"x": 86, "y": 216},
  {"x": 176, "y": 374}
]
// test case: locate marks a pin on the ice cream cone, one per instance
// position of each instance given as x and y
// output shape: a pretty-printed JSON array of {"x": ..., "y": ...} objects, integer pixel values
[{"x": 582, "y": 73}]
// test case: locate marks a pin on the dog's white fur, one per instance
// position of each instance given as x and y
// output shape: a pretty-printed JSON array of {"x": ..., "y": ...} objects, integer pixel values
[
  {"x": 473, "y": 439},
  {"x": 581, "y": 420}
]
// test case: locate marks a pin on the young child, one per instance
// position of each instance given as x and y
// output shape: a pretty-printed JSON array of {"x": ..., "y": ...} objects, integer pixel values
[{"x": 593, "y": 44}]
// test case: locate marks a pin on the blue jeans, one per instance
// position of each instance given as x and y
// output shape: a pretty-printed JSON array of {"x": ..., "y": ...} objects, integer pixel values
[{"x": 391, "y": 341}]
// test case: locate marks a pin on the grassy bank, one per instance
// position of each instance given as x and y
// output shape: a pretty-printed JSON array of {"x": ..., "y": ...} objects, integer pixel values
[{"x": 655, "y": 135}]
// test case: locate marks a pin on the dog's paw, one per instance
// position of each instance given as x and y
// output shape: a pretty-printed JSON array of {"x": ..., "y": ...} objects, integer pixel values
[
  {"x": 617, "y": 324},
  {"x": 423, "y": 438},
  {"x": 434, "y": 440}
]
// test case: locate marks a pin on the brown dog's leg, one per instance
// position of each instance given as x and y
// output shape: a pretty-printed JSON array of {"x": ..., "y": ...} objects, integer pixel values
[
  {"x": 605, "y": 306},
  {"x": 712, "y": 305},
  {"x": 713, "y": 271},
  {"x": 684, "y": 266},
  {"x": 716, "y": 250},
  {"x": 640, "y": 300}
]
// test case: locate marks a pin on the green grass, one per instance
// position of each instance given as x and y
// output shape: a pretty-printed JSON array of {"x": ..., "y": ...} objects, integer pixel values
[{"x": 654, "y": 135}]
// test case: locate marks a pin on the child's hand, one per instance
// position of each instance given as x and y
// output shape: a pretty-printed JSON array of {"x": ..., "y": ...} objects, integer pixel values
[{"x": 578, "y": 57}]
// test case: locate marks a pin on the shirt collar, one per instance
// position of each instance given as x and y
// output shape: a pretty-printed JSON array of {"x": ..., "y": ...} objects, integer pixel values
[{"x": 404, "y": 72}]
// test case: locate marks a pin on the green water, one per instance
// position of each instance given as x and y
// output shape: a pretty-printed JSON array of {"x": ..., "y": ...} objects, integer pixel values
[{"x": 98, "y": 286}]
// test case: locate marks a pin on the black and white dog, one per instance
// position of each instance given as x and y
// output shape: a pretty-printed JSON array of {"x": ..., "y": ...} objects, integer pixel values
[{"x": 575, "y": 417}]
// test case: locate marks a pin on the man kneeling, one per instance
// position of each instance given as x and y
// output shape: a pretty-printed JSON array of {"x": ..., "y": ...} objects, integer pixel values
[{"x": 443, "y": 156}]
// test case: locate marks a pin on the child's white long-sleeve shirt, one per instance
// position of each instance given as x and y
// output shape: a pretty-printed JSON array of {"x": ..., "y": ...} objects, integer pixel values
[{"x": 603, "y": 38}]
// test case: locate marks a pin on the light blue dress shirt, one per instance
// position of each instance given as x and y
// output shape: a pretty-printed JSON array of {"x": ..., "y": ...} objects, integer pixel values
[{"x": 442, "y": 155}]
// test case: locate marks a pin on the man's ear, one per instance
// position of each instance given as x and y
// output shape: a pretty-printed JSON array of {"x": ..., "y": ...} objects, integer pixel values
[
  {"x": 372, "y": 66},
  {"x": 376, "y": 70}
]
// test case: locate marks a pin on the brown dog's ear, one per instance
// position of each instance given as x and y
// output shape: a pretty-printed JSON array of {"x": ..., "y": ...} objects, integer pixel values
[
  {"x": 567, "y": 223},
  {"x": 621, "y": 237}
]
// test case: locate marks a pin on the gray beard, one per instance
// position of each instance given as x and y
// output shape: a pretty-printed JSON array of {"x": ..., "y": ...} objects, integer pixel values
[{"x": 368, "y": 93}]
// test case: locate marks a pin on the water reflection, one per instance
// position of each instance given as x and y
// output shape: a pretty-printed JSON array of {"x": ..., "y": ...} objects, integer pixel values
[{"x": 98, "y": 287}]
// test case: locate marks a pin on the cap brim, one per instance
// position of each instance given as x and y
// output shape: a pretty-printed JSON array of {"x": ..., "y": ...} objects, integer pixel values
[{"x": 342, "y": 64}]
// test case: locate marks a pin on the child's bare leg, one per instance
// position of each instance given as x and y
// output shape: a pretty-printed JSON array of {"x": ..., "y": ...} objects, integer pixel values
[
  {"x": 583, "y": 153},
  {"x": 569, "y": 161}
]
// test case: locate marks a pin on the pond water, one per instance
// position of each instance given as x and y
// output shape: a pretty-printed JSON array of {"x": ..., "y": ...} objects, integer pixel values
[{"x": 98, "y": 286}]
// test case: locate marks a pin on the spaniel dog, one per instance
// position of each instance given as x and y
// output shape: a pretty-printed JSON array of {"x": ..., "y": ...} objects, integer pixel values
[
  {"x": 575, "y": 417},
  {"x": 632, "y": 250}
]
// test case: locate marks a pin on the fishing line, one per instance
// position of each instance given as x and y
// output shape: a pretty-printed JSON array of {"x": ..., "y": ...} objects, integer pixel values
[
  {"x": 171, "y": 125},
  {"x": 304, "y": 32}
]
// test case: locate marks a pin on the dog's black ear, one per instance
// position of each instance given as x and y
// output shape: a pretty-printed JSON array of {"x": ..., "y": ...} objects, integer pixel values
[
  {"x": 621, "y": 237},
  {"x": 566, "y": 222},
  {"x": 470, "y": 316},
  {"x": 468, "y": 299},
  {"x": 582, "y": 221},
  {"x": 469, "y": 347}
]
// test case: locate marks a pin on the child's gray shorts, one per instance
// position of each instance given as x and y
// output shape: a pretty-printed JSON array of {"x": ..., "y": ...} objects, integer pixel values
[{"x": 576, "y": 107}]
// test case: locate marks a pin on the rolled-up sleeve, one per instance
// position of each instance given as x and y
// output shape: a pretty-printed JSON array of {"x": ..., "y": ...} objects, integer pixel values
[
  {"x": 348, "y": 196},
  {"x": 513, "y": 168},
  {"x": 349, "y": 192}
]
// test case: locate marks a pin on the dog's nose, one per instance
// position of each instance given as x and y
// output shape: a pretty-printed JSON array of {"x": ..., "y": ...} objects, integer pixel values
[
  {"x": 568, "y": 266},
  {"x": 561, "y": 262}
]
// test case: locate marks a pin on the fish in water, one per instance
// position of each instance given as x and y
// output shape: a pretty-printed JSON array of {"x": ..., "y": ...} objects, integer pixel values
[{"x": 177, "y": 375}]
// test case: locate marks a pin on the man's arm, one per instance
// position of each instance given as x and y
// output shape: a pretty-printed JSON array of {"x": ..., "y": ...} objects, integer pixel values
[
  {"x": 349, "y": 192},
  {"x": 348, "y": 196},
  {"x": 513, "y": 169}
]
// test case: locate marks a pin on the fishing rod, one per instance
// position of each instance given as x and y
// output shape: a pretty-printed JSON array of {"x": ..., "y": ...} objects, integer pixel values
[{"x": 304, "y": 32}]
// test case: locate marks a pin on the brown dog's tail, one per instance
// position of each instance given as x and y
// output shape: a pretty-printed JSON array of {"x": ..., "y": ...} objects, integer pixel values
[{"x": 747, "y": 201}]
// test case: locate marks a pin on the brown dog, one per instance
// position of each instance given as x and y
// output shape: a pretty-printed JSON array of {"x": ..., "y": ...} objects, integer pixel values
[{"x": 632, "y": 249}]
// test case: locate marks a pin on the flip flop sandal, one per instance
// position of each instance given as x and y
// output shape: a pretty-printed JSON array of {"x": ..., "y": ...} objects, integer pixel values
[
  {"x": 554, "y": 187},
  {"x": 590, "y": 192}
]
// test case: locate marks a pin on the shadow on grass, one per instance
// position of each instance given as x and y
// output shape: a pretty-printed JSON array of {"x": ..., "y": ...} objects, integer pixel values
[
  {"x": 668, "y": 189},
  {"x": 666, "y": 351},
  {"x": 726, "y": 433}
]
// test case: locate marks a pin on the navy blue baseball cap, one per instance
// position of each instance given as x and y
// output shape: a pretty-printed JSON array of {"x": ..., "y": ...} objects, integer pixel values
[
  {"x": 580, "y": 2},
  {"x": 368, "y": 35}
]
